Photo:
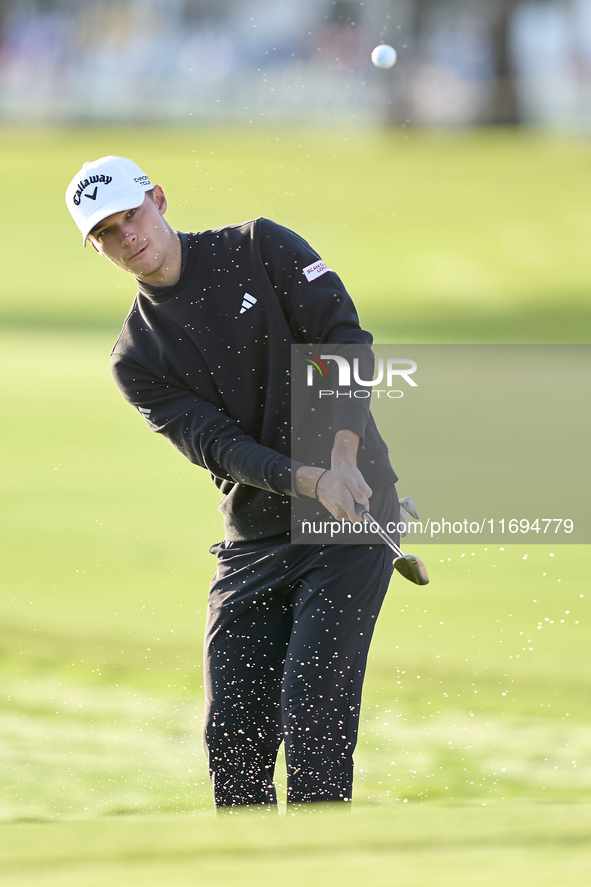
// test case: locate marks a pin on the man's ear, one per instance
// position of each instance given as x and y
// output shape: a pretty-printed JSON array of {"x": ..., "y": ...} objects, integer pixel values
[{"x": 159, "y": 198}]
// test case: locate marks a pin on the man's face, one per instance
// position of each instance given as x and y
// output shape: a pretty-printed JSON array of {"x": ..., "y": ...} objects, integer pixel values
[{"x": 137, "y": 240}]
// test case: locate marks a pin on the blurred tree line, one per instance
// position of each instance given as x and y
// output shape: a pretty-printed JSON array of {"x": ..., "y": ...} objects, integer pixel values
[
  {"x": 411, "y": 27},
  {"x": 503, "y": 106}
]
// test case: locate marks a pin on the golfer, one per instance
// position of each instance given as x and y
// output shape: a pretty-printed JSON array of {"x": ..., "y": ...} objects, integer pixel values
[{"x": 204, "y": 356}]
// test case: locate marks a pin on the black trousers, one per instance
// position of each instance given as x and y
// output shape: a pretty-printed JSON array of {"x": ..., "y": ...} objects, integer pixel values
[{"x": 286, "y": 645}]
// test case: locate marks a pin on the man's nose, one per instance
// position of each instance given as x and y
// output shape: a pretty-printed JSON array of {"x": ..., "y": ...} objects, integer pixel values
[{"x": 128, "y": 235}]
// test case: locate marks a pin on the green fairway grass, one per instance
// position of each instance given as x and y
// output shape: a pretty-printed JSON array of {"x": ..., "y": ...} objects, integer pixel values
[
  {"x": 477, "y": 686},
  {"x": 511, "y": 844},
  {"x": 474, "y": 759}
]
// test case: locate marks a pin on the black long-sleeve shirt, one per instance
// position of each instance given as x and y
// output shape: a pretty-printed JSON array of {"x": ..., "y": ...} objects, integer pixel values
[{"x": 207, "y": 363}]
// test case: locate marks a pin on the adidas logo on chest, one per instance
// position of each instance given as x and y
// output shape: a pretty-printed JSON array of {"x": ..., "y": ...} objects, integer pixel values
[{"x": 247, "y": 302}]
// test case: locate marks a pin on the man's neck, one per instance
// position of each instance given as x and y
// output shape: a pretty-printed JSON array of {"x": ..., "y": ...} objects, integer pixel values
[{"x": 169, "y": 272}]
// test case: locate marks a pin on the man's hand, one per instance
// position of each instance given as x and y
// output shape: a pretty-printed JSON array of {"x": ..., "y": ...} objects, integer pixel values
[
  {"x": 343, "y": 485},
  {"x": 339, "y": 489}
]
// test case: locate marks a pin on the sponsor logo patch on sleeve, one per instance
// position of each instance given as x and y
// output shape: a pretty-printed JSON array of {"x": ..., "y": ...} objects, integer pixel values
[{"x": 317, "y": 269}]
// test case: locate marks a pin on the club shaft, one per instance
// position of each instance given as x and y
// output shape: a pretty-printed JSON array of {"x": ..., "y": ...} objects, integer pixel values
[{"x": 381, "y": 533}]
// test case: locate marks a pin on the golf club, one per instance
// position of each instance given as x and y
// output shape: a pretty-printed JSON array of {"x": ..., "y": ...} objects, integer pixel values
[{"x": 410, "y": 566}]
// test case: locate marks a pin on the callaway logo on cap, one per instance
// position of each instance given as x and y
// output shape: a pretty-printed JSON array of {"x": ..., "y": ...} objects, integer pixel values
[{"x": 103, "y": 187}]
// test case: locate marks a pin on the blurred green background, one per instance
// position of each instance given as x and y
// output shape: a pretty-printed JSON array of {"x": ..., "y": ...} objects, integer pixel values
[
  {"x": 477, "y": 235},
  {"x": 474, "y": 761}
]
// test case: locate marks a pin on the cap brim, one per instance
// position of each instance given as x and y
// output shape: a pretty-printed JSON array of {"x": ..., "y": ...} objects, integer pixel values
[{"x": 116, "y": 206}]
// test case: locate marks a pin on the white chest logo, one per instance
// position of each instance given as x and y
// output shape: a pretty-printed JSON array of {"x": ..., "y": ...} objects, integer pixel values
[
  {"x": 311, "y": 272},
  {"x": 247, "y": 302}
]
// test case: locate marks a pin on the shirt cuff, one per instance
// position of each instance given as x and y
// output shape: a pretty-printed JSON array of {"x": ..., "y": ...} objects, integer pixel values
[
  {"x": 283, "y": 477},
  {"x": 351, "y": 417}
]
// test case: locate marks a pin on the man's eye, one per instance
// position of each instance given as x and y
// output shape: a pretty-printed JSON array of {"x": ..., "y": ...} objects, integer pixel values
[
  {"x": 104, "y": 232},
  {"x": 131, "y": 212}
]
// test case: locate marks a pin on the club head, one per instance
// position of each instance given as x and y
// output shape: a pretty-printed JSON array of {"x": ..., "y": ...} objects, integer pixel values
[
  {"x": 412, "y": 568},
  {"x": 408, "y": 565}
]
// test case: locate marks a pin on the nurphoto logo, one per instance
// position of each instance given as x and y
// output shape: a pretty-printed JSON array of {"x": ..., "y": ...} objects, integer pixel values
[{"x": 389, "y": 371}]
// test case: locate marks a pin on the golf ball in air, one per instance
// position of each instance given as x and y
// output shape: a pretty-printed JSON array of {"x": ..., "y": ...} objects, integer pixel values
[{"x": 383, "y": 56}]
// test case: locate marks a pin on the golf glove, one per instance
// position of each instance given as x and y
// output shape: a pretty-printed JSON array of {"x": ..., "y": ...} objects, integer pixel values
[{"x": 408, "y": 509}]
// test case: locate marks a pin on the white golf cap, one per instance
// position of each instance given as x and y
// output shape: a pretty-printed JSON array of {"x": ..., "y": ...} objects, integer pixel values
[{"x": 103, "y": 187}]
